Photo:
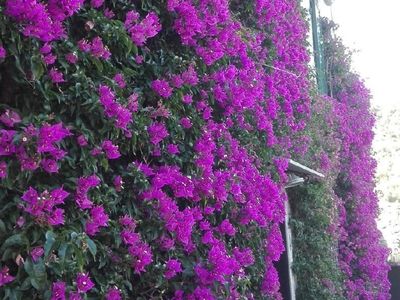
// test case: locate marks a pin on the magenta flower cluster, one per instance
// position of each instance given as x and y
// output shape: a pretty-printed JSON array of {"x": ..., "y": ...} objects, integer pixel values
[
  {"x": 40, "y": 20},
  {"x": 162, "y": 88},
  {"x": 112, "y": 109},
  {"x": 5, "y": 276},
  {"x": 83, "y": 186},
  {"x": 141, "y": 31},
  {"x": 44, "y": 206},
  {"x": 44, "y": 140},
  {"x": 139, "y": 251},
  {"x": 98, "y": 219}
]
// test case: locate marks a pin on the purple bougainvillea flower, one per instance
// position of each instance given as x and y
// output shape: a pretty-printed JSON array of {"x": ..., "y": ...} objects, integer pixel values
[
  {"x": 82, "y": 141},
  {"x": 84, "y": 283},
  {"x": 189, "y": 77},
  {"x": 3, "y": 169},
  {"x": 57, "y": 217},
  {"x": 119, "y": 79},
  {"x": 178, "y": 295},
  {"x": 203, "y": 293},
  {"x": 7, "y": 146},
  {"x": 83, "y": 186},
  {"x": 166, "y": 243},
  {"x": 141, "y": 31},
  {"x": 84, "y": 45},
  {"x": 128, "y": 222},
  {"x": 108, "y": 13},
  {"x": 244, "y": 257},
  {"x": 37, "y": 253},
  {"x": 187, "y": 99},
  {"x": 30, "y": 196},
  {"x": 10, "y": 118},
  {"x": 113, "y": 294},
  {"x": 46, "y": 48},
  {"x": 5, "y": 277},
  {"x": 96, "y": 151},
  {"x": 227, "y": 228},
  {"x": 58, "y": 290},
  {"x": 49, "y": 59},
  {"x": 59, "y": 11},
  {"x": 162, "y": 88},
  {"x": 110, "y": 149},
  {"x": 75, "y": 296},
  {"x": 142, "y": 252},
  {"x": 44, "y": 206},
  {"x": 173, "y": 266},
  {"x": 185, "y": 122},
  {"x": 56, "y": 76},
  {"x": 72, "y": 58},
  {"x": 112, "y": 109},
  {"x": 133, "y": 104},
  {"x": 172, "y": 149},
  {"x": 129, "y": 237},
  {"x": 40, "y": 21},
  {"x": 3, "y": 52},
  {"x": 118, "y": 183},
  {"x": 96, "y": 3},
  {"x": 49, "y": 165},
  {"x": 98, "y": 218},
  {"x": 139, "y": 59},
  {"x": 144, "y": 168},
  {"x": 85, "y": 183},
  {"x": 27, "y": 163},
  {"x": 176, "y": 81},
  {"x": 50, "y": 134},
  {"x": 107, "y": 99},
  {"x": 59, "y": 195},
  {"x": 157, "y": 132},
  {"x": 98, "y": 49}
]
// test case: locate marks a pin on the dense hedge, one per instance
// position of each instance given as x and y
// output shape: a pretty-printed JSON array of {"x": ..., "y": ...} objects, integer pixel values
[
  {"x": 315, "y": 210},
  {"x": 362, "y": 253},
  {"x": 143, "y": 146},
  {"x": 334, "y": 222},
  {"x": 345, "y": 206},
  {"x": 143, "y": 149},
  {"x": 315, "y": 259}
]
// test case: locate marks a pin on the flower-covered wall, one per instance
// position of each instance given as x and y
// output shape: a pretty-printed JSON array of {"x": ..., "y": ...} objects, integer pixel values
[
  {"x": 341, "y": 129},
  {"x": 144, "y": 144},
  {"x": 143, "y": 148},
  {"x": 362, "y": 253}
]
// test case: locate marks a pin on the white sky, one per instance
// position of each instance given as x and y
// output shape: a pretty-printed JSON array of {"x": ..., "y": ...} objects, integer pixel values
[{"x": 372, "y": 28}]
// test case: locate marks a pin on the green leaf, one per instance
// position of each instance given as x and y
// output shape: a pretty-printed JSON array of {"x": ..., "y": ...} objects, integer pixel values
[
  {"x": 62, "y": 251},
  {"x": 2, "y": 227},
  {"x": 92, "y": 246},
  {"x": 15, "y": 240},
  {"x": 98, "y": 64},
  {"x": 37, "y": 67},
  {"x": 50, "y": 239},
  {"x": 38, "y": 276}
]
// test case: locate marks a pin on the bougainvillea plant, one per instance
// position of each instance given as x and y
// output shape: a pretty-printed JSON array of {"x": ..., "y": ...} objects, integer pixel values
[
  {"x": 143, "y": 146},
  {"x": 362, "y": 253},
  {"x": 341, "y": 129}
]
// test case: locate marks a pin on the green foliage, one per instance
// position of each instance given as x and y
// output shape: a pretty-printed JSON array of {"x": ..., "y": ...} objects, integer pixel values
[
  {"x": 314, "y": 243},
  {"x": 26, "y": 88}
]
